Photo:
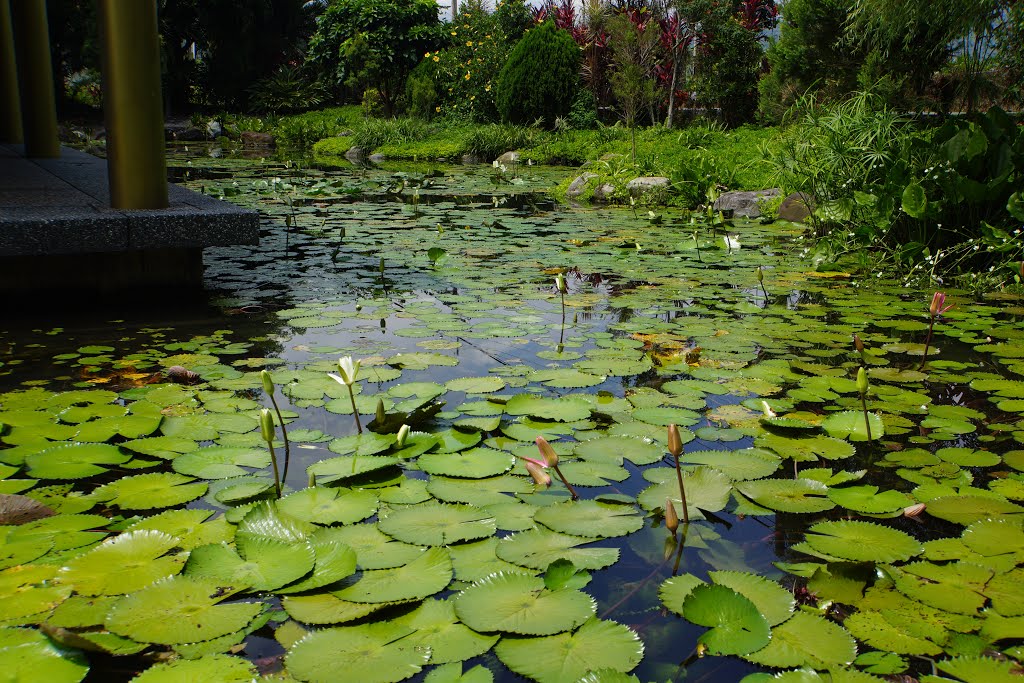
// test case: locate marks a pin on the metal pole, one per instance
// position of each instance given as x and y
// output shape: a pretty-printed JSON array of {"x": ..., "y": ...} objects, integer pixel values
[
  {"x": 132, "y": 104},
  {"x": 10, "y": 105},
  {"x": 35, "y": 78}
]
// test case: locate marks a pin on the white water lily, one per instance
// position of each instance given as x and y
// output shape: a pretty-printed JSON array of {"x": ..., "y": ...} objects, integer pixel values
[
  {"x": 349, "y": 370},
  {"x": 731, "y": 242}
]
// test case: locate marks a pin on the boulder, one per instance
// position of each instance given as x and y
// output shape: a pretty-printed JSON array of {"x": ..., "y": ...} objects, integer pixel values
[
  {"x": 251, "y": 138},
  {"x": 643, "y": 185},
  {"x": 603, "y": 192},
  {"x": 745, "y": 204},
  {"x": 190, "y": 134},
  {"x": 355, "y": 154},
  {"x": 376, "y": 158},
  {"x": 472, "y": 159},
  {"x": 508, "y": 158},
  {"x": 796, "y": 207},
  {"x": 579, "y": 186}
]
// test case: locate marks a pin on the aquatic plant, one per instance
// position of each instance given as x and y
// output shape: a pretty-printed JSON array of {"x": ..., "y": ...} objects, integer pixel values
[
  {"x": 935, "y": 309},
  {"x": 862, "y": 389},
  {"x": 551, "y": 460},
  {"x": 348, "y": 370},
  {"x": 760, "y": 280},
  {"x": 267, "y": 431},
  {"x": 268, "y": 389},
  {"x": 675, "y": 447}
]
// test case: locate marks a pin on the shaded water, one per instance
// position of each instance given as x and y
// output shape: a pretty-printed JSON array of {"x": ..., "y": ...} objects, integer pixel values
[{"x": 664, "y": 322}]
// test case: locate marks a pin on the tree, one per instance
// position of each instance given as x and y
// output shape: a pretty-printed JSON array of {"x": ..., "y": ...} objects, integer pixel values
[
  {"x": 636, "y": 43},
  {"x": 540, "y": 77},
  {"x": 375, "y": 43}
]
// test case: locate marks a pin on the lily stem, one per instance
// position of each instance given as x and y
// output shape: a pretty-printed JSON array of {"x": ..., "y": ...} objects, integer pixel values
[
  {"x": 284, "y": 434},
  {"x": 572, "y": 491},
  {"x": 864, "y": 406},
  {"x": 273, "y": 461},
  {"x": 682, "y": 490},
  {"x": 355, "y": 411}
]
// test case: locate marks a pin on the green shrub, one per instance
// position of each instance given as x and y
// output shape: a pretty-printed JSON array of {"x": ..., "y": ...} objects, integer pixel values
[
  {"x": 494, "y": 140},
  {"x": 302, "y": 130},
  {"x": 420, "y": 92},
  {"x": 289, "y": 88},
  {"x": 374, "y": 133},
  {"x": 540, "y": 78}
]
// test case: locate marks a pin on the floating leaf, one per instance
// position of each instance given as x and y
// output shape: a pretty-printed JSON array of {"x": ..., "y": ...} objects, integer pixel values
[
  {"x": 590, "y": 518},
  {"x": 220, "y": 668},
  {"x": 517, "y": 603},
  {"x": 849, "y": 424},
  {"x": 438, "y": 524},
  {"x": 322, "y": 505},
  {"x": 806, "y": 640},
  {"x": 437, "y": 629},
  {"x": 369, "y": 653},
  {"x": 736, "y": 625},
  {"x": 429, "y": 573},
  {"x": 138, "y": 557},
  {"x": 74, "y": 460},
  {"x": 570, "y": 656},
  {"x": 28, "y": 655},
  {"x": 862, "y": 541},
  {"x": 565, "y": 409},
  {"x": 788, "y": 495},
  {"x": 150, "y": 491},
  {"x": 538, "y": 548}
]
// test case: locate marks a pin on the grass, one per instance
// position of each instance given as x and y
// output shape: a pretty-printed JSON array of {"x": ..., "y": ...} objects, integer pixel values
[{"x": 300, "y": 130}]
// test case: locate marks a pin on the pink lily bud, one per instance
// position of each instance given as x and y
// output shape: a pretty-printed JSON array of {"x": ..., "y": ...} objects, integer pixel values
[
  {"x": 550, "y": 457},
  {"x": 675, "y": 442},
  {"x": 540, "y": 477},
  {"x": 671, "y": 518}
]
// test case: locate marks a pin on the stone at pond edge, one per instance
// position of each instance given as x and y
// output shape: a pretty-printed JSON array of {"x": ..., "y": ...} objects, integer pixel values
[
  {"x": 603, "y": 192},
  {"x": 745, "y": 204},
  {"x": 640, "y": 186},
  {"x": 251, "y": 138},
  {"x": 578, "y": 186},
  {"x": 376, "y": 158},
  {"x": 796, "y": 207},
  {"x": 355, "y": 153},
  {"x": 508, "y": 158}
]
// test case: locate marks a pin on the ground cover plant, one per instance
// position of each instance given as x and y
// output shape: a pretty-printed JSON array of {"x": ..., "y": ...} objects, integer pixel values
[{"x": 852, "y": 507}]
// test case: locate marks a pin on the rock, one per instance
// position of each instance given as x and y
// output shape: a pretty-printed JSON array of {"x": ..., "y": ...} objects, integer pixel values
[
  {"x": 745, "y": 204},
  {"x": 355, "y": 154},
  {"x": 376, "y": 158},
  {"x": 603, "y": 192},
  {"x": 508, "y": 158},
  {"x": 472, "y": 159},
  {"x": 796, "y": 207},
  {"x": 251, "y": 138},
  {"x": 643, "y": 185},
  {"x": 214, "y": 129},
  {"x": 578, "y": 186}
]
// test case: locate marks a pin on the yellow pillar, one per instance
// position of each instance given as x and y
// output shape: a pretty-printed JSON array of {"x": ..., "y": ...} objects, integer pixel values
[
  {"x": 35, "y": 78},
  {"x": 132, "y": 104},
  {"x": 10, "y": 107}
]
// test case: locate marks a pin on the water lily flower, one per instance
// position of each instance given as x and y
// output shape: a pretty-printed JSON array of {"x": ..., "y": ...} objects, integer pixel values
[
  {"x": 767, "y": 409},
  {"x": 671, "y": 518},
  {"x": 914, "y": 510},
  {"x": 675, "y": 442},
  {"x": 403, "y": 435},
  {"x": 938, "y": 305},
  {"x": 862, "y": 381},
  {"x": 540, "y": 477},
  {"x": 267, "y": 425},
  {"x": 731, "y": 242},
  {"x": 268, "y": 382},
  {"x": 348, "y": 370},
  {"x": 550, "y": 457},
  {"x": 560, "y": 283}
]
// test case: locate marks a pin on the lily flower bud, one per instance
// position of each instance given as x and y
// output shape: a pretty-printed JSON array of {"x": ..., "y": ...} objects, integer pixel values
[
  {"x": 381, "y": 414},
  {"x": 560, "y": 283},
  {"x": 858, "y": 344},
  {"x": 550, "y": 457},
  {"x": 348, "y": 370},
  {"x": 675, "y": 442},
  {"x": 760, "y": 274},
  {"x": 540, "y": 477},
  {"x": 862, "y": 381},
  {"x": 403, "y": 435},
  {"x": 268, "y": 382},
  {"x": 671, "y": 518},
  {"x": 267, "y": 425}
]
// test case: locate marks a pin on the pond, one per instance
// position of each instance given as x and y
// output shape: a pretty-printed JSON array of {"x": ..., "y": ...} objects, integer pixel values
[{"x": 430, "y": 552}]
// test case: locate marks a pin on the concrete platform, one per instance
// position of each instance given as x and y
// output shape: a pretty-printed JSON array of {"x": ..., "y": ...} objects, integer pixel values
[{"x": 57, "y": 228}]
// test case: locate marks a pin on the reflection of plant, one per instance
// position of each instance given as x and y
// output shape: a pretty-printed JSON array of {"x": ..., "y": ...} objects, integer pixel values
[
  {"x": 675, "y": 447},
  {"x": 348, "y": 370}
]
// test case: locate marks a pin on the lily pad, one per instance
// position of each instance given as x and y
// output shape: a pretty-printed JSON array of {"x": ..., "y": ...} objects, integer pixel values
[{"x": 517, "y": 603}]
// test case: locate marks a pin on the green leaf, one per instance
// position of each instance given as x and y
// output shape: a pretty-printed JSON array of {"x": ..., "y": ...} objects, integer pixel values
[
  {"x": 862, "y": 541},
  {"x": 774, "y": 602},
  {"x": 179, "y": 609},
  {"x": 1015, "y": 206},
  {"x": 369, "y": 653},
  {"x": 706, "y": 489},
  {"x": 806, "y": 640},
  {"x": 150, "y": 491},
  {"x": 538, "y": 548},
  {"x": 517, "y": 603},
  {"x": 322, "y": 505},
  {"x": 474, "y": 464},
  {"x": 435, "y": 523},
  {"x": 333, "y": 562},
  {"x": 138, "y": 557},
  {"x": 217, "y": 667},
  {"x": 736, "y": 625},
  {"x": 788, "y": 495},
  {"x": 867, "y": 499},
  {"x": 430, "y": 573},
  {"x": 590, "y": 518},
  {"x": 849, "y": 424},
  {"x": 565, "y": 409},
  {"x": 970, "y": 508},
  {"x": 261, "y": 563},
  {"x": 28, "y": 655},
  {"x": 221, "y": 462},
  {"x": 571, "y": 656},
  {"x": 437, "y": 629},
  {"x": 74, "y": 460}
]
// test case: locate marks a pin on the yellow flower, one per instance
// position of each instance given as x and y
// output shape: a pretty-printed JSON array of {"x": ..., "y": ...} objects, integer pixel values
[
  {"x": 436, "y": 58},
  {"x": 437, "y": 109},
  {"x": 454, "y": 33},
  {"x": 469, "y": 43},
  {"x": 488, "y": 88},
  {"x": 426, "y": 55},
  {"x": 473, "y": 97},
  {"x": 467, "y": 75}
]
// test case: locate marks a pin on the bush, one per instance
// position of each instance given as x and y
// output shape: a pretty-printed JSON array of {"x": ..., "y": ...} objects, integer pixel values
[
  {"x": 290, "y": 88},
  {"x": 494, "y": 140},
  {"x": 374, "y": 133},
  {"x": 540, "y": 78}
]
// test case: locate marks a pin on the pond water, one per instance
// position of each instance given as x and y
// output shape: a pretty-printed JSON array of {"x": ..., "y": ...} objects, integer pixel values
[{"x": 799, "y": 555}]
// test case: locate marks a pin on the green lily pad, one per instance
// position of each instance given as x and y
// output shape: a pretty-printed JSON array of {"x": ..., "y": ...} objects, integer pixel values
[
  {"x": 150, "y": 491},
  {"x": 736, "y": 625},
  {"x": 436, "y": 628},
  {"x": 806, "y": 640},
  {"x": 590, "y": 518},
  {"x": 74, "y": 460},
  {"x": 139, "y": 557},
  {"x": 221, "y": 668},
  {"x": 29, "y": 655},
  {"x": 435, "y": 523},
  {"x": 565, "y": 409},
  {"x": 429, "y": 573},
  {"x": 370, "y": 653},
  {"x": 862, "y": 541},
  {"x": 329, "y": 505},
  {"x": 517, "y": 603}
]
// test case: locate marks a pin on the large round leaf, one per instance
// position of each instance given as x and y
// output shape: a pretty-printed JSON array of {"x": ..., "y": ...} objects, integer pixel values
[
  {"x": 150, "y": 491},
  {"x": 28, "y": 655},
  {"x": 374, "y": 549},
  {"x": 370, "y": 653},
  {"x": 862, "y": 541},
  {"x": 436, "y": 523},
  {"x": 473, "y": 464},
  {"x": 612, "y": 449},
  {"x": 74, "y": 460},
  {"x": 430, "y": 573},
  {"x": 736, "y": 625},
  {"x": 788, "y": 495},
  {"x": 565, "y": 409},
  {"x": 706, "y": 489},
  {"x": 179, "y": 609},
  {"x": 262, "y": 564},
  {"x": 221, "y": 462},
  {"x": 138, "y": 557},
  {"x": 738, "y": 465},
  {"x": 436, "y": 628},
  {"x": 538, "y": 548},
  {"x": 571, "y": 656},
  {"x": 517, "y": 603},
  {"x": 774, "y": 602},
  {"x": 851, "y": 425},
  {"x": 590, "y": 518},
  {"x": 322, "y": 505},
  {"x": 334, "y": 561},
  {"x": 220, "y": 668},
  {"x": 807, "y": 640}
]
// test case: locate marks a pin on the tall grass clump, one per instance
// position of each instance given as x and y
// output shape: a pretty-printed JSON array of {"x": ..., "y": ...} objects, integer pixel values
[
  {"x": 374, "y": 133},
  {"x": 493, "y": 140}
]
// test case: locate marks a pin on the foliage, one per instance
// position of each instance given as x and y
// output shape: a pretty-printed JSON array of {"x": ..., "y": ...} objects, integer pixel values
[
  {"x": 540, "y": 77},
  {"x": 298, "y": 130},
  {"x": 635, "y": 51},
  {"x": 373, "y": 133},
  {"x": 921, "y": 195},
  {"x": 289, "y": 88},
  {"x": 374, "y": 43},
  {"x": 489, "y": 142},
  {"x": 459, "y": 80}
]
